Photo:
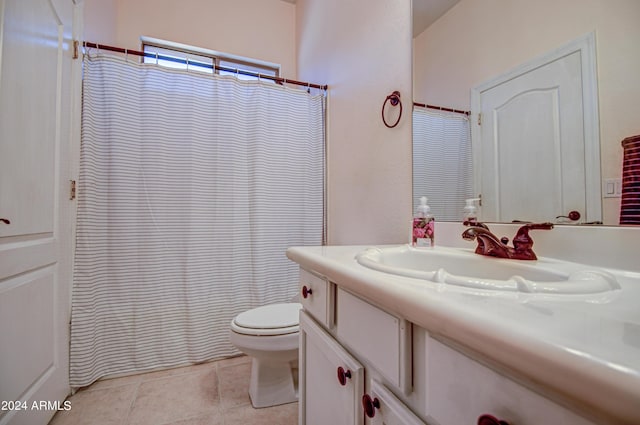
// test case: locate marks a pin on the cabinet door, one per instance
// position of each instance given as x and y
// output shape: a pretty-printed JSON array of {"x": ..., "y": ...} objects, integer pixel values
[
  {"x": 387, "y": 409},
  {"x": 324, "y": 399}
]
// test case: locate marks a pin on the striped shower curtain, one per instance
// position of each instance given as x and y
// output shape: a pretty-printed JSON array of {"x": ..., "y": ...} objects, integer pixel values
[
  {"x": 442, "y": 162},
  {"x": 191, "y": 188}
]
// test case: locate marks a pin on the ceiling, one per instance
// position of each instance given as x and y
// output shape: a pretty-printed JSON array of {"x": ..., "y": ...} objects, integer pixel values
[{"x": 425, "y": 12}]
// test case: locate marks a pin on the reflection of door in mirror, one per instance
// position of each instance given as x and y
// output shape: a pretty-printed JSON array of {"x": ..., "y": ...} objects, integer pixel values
[{"x": 531, "y": 148}]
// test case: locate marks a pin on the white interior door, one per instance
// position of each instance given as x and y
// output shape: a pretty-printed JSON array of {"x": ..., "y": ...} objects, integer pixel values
[
  {"x": 36, "y": 100},
  {"x": 534, "y": 159}
]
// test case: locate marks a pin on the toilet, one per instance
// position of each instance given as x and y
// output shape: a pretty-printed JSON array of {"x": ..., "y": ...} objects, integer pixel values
[{"x": 269, "y": 334}]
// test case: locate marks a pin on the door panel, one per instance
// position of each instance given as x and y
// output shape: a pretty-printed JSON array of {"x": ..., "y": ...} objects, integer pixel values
[
  {"x": 536, "y": 144},
  {"x": 531, "y": 137},
  {"x": 27, "y": 309},
  {"x": 36, "y": 93},
  {"x": 27, "y": 116},
  {"x": 538, "y": 147}
]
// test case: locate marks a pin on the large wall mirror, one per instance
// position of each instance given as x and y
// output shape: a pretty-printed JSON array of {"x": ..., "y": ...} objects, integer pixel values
[{"x": 463, "y": 45}]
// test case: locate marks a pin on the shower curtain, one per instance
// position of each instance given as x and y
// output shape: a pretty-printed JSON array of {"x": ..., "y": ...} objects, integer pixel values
[
  {"x": 191, "y": 188},
  {"x": 442, "y": 162}
]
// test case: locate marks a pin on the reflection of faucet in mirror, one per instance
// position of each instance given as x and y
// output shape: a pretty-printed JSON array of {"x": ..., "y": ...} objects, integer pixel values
[{"x": 490, "y": 245}]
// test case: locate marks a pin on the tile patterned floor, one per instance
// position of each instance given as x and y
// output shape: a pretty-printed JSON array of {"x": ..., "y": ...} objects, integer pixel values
[{"x": 214, "y": 393}]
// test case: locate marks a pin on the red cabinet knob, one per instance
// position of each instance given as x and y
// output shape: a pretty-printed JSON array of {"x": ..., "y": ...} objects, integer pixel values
[
  {"x": 306, "y": 292},
  {"x": 343, "y": 375},
  {"x": 490, "y": 420},
  {"x": 370, "y": 405}
]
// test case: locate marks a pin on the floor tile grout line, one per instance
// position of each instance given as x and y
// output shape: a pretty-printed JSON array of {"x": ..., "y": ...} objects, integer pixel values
[
  {"x": 219, "y": 388},
  {"x": 133, "y": 402}
]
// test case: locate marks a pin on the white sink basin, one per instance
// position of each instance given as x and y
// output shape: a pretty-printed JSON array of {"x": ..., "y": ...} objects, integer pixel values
[{"x": 464, "y": 268}]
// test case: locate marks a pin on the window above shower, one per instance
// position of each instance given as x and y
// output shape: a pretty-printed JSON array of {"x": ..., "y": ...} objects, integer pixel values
[{"x": 183, "y": 56}]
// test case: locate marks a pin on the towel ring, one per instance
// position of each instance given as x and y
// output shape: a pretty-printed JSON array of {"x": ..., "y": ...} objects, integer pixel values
[{"x": 394, "y": 99}]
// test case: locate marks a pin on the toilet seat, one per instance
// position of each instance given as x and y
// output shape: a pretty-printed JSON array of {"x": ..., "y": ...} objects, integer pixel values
[{"x": 268, "y": 320}]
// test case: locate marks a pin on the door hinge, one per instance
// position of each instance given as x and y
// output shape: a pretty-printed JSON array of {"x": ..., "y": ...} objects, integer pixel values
[
  {"x": 72, "y": 190},
  {"x": 76, "y": 46},
  {"x": 480, "y": 118}
]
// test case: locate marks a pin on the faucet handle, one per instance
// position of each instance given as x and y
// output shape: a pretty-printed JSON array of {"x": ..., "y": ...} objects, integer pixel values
[
  {"x": 523, "y": 232},
  {"x": 522, "y": 242}
]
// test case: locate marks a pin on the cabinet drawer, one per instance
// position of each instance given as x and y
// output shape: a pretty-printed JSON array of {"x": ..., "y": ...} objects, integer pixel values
[
  {"x": 459, "y": 390},
  {"x": 317, "y": 297},
  {"x": 331, "y": 382},
  {"x": 387, "y": 409},
  {"x": 379, "y": 337}
]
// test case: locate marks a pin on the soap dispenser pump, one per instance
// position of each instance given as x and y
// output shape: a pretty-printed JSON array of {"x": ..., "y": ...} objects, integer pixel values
[
  {"x": 470, "y": 211},
  {"x": 423, "y": 228}
]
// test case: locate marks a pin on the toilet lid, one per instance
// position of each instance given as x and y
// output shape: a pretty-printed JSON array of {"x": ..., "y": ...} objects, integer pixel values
[{"x": 273, "y": 316}]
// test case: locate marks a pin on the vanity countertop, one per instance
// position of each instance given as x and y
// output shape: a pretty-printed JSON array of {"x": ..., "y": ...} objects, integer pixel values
[{"x": 580, "y": 350}]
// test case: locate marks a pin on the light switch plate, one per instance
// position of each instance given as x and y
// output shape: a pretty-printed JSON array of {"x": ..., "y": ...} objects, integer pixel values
[{"x": 611, "y": 188}]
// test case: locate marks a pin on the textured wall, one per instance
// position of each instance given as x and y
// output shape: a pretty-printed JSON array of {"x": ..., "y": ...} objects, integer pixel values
[
  {"x": 362, "y": 50},
  {"x": 259, "y": 29}
]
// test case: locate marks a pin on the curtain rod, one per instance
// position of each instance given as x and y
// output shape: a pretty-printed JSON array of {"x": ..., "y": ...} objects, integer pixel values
[
  {"x": 203, "y": 65},
  {"x": 441, "y": 108}
]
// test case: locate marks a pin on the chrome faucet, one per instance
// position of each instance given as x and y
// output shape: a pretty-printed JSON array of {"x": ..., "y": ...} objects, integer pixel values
[{"x": 489, "y": 244}]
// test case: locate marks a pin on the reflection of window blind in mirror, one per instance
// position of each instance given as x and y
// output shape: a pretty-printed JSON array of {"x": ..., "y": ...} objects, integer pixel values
[{"x": 442, "y": 163}]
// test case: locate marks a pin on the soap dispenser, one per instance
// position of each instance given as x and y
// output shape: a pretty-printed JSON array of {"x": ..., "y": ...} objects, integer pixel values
[
  {"x": 423, "y": 228},
  {"x": 470, "y": 211}
]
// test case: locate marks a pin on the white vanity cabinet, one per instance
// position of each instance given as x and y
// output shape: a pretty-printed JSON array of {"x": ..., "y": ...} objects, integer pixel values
[
  {"x": 342, "y": 337},
  {"x": 361, "y": 364},
  {"x": 331, "y": 381},
  {"x": 380, "y": 339},
  {"x": 460, "y": 390}
]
